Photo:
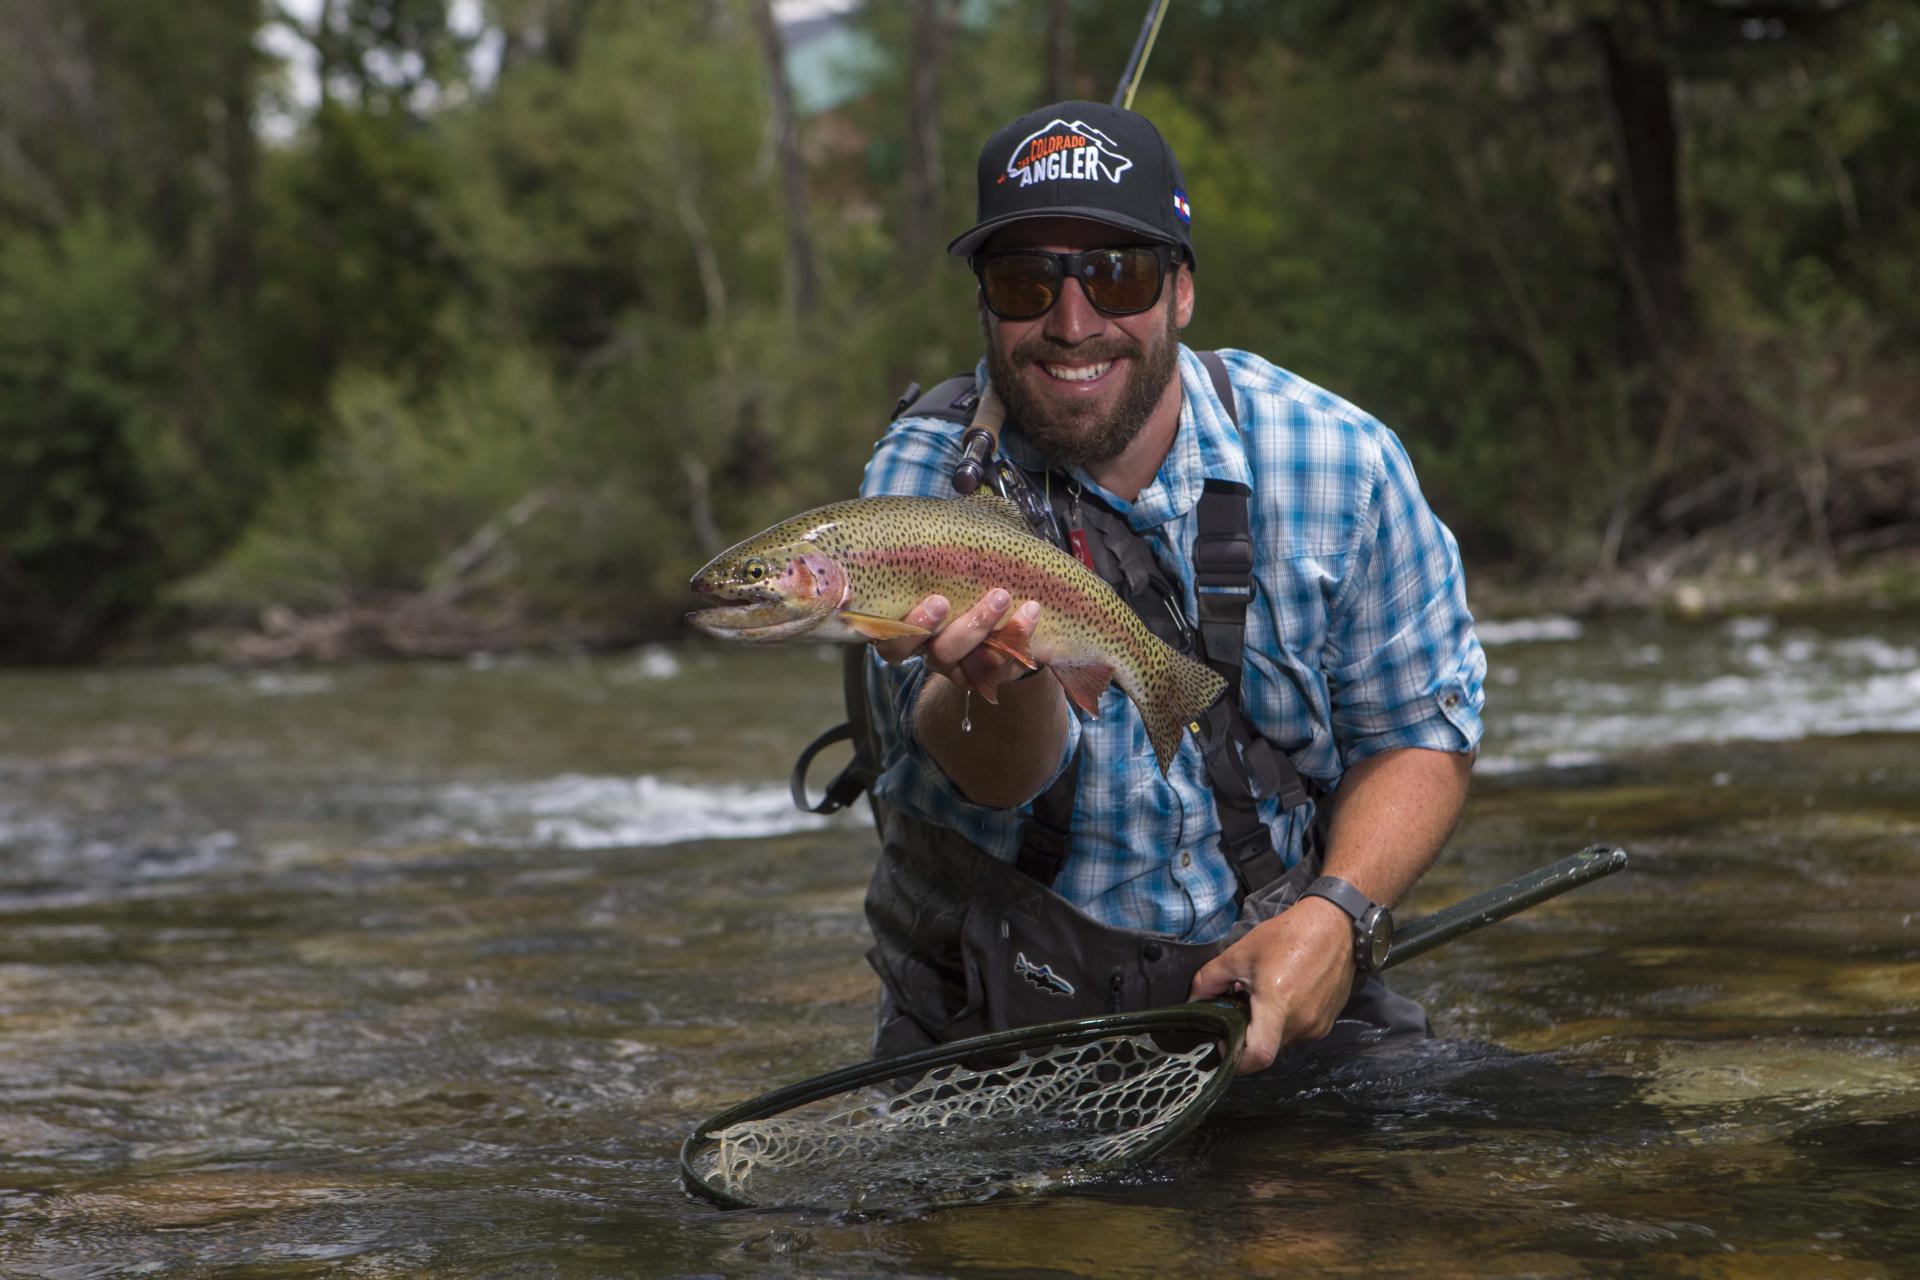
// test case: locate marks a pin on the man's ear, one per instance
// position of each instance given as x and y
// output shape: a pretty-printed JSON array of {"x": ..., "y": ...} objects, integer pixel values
[{"x": 1183, "y": 296}]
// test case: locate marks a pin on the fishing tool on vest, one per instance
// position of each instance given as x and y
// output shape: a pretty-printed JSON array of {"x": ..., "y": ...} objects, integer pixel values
[{"x": 1032, "y": 1109}]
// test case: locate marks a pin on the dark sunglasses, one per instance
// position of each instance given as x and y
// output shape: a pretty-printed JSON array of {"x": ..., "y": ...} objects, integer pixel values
[{"x": 1024, "y": 284}]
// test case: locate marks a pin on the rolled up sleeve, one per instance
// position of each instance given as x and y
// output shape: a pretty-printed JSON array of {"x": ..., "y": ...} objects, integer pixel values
[{"x": 1404, "y": 667}]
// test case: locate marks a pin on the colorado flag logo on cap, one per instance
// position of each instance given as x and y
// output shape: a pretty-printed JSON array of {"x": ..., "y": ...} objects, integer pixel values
[
  {"x": 1180, "y": 205},
  {"x": 1066, "y": 150}
]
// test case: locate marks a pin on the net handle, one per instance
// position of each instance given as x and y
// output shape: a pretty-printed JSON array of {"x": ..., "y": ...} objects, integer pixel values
[{"x": 1516, "y": 895}]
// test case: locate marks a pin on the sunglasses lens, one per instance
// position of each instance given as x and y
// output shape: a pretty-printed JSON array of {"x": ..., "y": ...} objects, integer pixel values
[
  {"x": 1020, "y": 286},
  {"x": 1121, "y": 281}
]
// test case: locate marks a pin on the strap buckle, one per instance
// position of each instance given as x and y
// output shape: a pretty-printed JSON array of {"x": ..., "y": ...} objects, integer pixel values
[
  {"x": 1273, "y": 773},
  {"x": 1252, "y": 857},
  {"x": 1223, "y": 559}
]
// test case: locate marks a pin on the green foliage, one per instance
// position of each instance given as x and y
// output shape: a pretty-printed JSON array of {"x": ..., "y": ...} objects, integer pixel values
[
  {"x": 523, "y": 344},
  {"x": 401, "y": 482},
  {"x": 79, "y": 359},
  {"x": 356, "y": 271}
]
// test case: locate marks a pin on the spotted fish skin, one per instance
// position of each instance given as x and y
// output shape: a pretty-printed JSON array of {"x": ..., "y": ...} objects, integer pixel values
[{"x": 846, "y": 572}]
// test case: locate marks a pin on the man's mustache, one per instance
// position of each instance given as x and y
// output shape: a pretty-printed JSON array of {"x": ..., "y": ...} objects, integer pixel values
[{"x": 1049, "y": 351}]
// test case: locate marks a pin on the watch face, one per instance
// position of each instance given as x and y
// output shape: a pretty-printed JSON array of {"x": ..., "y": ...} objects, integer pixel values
[{"x": 1380, "y": 939}]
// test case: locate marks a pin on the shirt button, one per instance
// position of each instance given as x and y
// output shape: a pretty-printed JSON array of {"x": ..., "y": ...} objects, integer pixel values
[
  {"x": 1451, "y": 701},
  {"x": 1186, "y": 859}
]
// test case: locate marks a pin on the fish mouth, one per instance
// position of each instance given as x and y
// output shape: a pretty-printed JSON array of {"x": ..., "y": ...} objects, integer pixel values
[
  {"x": 757, "y": 623},
  {"x": 736, "y": 593}
]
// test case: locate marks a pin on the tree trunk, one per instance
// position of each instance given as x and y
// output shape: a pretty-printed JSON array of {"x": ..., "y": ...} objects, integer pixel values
[
  {"x": 926, "y": 46},
  {"x": 1057, "y": 82},
  {"x": 1638, "y": 80},
  {"x": 802, "y": 277},
  {"x": 235, "y": 275},
  {"x": 327, "y": 48}
]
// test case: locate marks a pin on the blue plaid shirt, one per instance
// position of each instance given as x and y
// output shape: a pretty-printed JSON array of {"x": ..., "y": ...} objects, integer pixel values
[{"x": 1358, "y": 641}]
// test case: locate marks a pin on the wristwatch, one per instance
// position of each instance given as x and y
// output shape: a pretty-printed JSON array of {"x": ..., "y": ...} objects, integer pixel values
[{"x": 1372, "y": 923}]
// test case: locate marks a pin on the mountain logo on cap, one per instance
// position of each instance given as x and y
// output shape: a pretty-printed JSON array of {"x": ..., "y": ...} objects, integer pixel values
[{"x": 1066, "y": 151}]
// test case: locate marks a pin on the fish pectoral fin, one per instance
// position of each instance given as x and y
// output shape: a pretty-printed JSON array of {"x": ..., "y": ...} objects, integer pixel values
[
  {"x": 1017, "y": 650},
  {"x": 1084, "y": 683},
  {"x": 877, "y": 628}
]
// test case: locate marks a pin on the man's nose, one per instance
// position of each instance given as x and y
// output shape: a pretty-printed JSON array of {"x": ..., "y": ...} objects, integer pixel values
[{"x": 1073, "y": 318}]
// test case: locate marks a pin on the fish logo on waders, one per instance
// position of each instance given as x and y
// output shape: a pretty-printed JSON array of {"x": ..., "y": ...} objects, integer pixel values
[{"x": 1041, "y": 976}]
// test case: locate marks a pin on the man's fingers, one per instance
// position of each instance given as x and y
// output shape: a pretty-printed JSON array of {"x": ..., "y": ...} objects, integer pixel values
[
  {"x": 1214, "y": 979},
  {"x": 990, "y": 665},
  {"x": 1262, "y": 1044},
  {"x": 964, "y": 634},
  {"x": 1019, "y": 628},
  {"x": 1266, "y": 1020},
  {"x": 929, "y": 613}
]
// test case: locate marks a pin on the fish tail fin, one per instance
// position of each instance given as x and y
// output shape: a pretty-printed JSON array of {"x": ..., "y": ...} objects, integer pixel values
[{"x": 1176, "y": 691}]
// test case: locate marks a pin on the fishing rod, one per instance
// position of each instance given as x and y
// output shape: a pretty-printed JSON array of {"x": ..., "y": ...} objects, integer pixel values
[
  {"x": 981, "y": 440},
  {"x": 1142, "y": 50}
]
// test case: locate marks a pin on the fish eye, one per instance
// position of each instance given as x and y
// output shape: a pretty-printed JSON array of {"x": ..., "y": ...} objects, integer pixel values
[{"x": 756, "y": 570}]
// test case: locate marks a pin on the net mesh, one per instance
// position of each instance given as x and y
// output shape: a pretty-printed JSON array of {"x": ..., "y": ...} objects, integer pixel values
[{"x": 1028, "y": 1119}]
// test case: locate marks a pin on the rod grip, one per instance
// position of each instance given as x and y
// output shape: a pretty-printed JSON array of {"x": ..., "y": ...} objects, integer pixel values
[
  {"x": 979, "y": 442},
  {"x": 976, "y": 451}
]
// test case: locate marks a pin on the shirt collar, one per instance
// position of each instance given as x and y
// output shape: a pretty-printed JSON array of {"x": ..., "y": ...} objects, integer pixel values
[{"x": 1205, "y": 445}]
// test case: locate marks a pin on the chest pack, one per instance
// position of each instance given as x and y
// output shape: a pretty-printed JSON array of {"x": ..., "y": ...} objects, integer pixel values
[{"x": 1241, "y": 765}]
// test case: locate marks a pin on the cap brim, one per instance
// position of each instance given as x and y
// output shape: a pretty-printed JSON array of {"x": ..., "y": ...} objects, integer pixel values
[{"x": 968, "y": 242}]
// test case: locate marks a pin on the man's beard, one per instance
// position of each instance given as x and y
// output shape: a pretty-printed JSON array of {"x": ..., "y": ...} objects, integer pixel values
[{"x": 1075, "y": 435}]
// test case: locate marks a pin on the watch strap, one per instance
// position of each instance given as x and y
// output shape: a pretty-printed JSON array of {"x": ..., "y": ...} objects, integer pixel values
[{"x": 1342, "y": 895}]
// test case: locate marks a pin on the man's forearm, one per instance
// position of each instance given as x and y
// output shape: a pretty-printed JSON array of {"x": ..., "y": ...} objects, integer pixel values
[
  {"x": 1012, "y": 748},
  {"x": 1392, "y": 814}
]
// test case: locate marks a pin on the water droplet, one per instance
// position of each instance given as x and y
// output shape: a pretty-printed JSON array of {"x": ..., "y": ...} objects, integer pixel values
[{"x": 966, "y": 713}]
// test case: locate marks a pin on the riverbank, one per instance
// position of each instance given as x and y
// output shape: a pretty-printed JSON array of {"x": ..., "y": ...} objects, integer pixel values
[
  {"x": 1884, "y": 583},
  {"x": 420, "y": 626}
]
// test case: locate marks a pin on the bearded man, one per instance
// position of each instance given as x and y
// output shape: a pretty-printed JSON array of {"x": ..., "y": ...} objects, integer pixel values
[{"x": 1036, "y": 864}]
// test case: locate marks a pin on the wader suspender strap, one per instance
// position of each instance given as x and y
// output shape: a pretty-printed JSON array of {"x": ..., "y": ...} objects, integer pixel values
[
  {"x": 860, "y": 773},
  {"x": 1240, "y": 763}
]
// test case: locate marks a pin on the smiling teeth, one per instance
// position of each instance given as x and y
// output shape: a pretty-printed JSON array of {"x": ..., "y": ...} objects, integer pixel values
[{"x": 1079, "y": 372}]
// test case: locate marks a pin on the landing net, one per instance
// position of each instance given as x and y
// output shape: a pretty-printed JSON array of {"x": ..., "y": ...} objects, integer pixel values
[{"x": 1024, "y": 1118}]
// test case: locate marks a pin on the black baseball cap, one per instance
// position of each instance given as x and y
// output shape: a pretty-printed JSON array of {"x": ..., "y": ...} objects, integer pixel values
[{"x": 1081, "y": 160}]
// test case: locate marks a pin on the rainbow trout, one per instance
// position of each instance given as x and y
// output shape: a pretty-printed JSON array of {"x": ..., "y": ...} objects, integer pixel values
[{"x": 849, "y": 571}]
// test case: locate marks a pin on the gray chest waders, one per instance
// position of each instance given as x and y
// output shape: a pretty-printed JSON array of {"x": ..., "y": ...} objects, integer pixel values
[{"x": 965, "y": 943}]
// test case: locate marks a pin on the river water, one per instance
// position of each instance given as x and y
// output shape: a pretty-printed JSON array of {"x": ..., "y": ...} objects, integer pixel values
[{"x": 397, "y": 970}]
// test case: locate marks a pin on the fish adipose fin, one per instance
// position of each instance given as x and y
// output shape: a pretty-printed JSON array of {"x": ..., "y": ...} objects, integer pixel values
[
  {"x": 1174, "y": 698},
  {"x": 874, "y": 628},
  {"x": 1084, "y": 683}
]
